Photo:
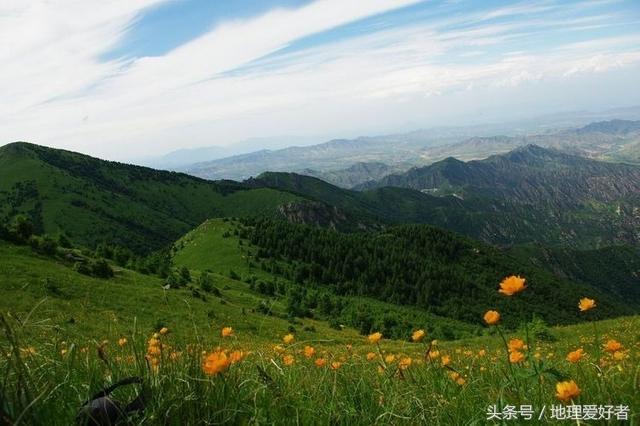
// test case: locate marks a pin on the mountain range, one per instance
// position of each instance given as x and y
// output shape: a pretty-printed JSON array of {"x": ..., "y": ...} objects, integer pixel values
[
  {"x": 352, "y": 162},
  {"x": 410, "y": 240},
  {"x": 531, "y": 194},
  {"x": 527, "y": 195}
]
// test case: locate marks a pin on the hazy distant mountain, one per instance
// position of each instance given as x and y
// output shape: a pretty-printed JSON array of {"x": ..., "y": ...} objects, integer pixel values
[
  {"x": 340, "y": 161},
  {"x": 615, "y": 140},
  {"x": 356, "y": 174},
  {"x": 183, "y": 157}
]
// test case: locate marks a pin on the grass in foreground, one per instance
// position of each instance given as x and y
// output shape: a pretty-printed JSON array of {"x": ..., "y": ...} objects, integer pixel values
[{"x": 227, "y": 379}]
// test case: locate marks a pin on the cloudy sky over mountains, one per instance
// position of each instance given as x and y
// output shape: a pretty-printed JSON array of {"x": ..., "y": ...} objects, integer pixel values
[{"x": 125, "y": 78}]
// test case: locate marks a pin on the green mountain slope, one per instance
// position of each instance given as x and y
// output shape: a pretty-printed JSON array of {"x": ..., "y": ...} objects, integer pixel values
[
  {"x": 615, "y": 270},
  {"x": 48, "y": 296},
  {"x": 93, "y": 200},
  {"x": 435, "y": 270},
  {"x": 537, "y": 194},
  {"x": 220, "y": 247}
]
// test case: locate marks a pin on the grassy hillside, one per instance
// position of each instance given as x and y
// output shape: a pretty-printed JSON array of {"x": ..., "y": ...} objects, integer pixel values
[
  {"x": 52, "y": 364},
  {"x": 48, "y": 297},
  {"x": 95, "y": 201},
  {"x": 215, "y": 246}
]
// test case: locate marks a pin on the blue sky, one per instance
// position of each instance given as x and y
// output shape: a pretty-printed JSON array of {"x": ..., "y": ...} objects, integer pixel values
[{"x": 126, "y": 78}]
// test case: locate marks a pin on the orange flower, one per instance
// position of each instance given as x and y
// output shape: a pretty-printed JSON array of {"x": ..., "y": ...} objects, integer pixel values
[
  {"x": 371, "y": 356},
  {"x": 320, "y": 362},
  {"x": 418, "y": 335},
  {"x": 288, "y": 339},
  {"x": 516, "y": 357},
  {"x": 227, "y": 332},
  {"x": 309, "y": 351},
  {"x": 619, "y": 355},
  {"x": 482, "y": 352},
  {"x": 375, "y": 337},
  {"x": 278, "y": 348},
  {"x": 215, "y": 363},
  {"x": 389, "y": 358},
  {"x": 512, "y": 285},
  {"x": 288, "y": 359},
  {"x": 164, "y": 330},
  {"x": 434, "y": 354},
  {"x": 461, "y": 381},
  {"x": 446, "y": 360},
  {"x": 236, "y": 356},
  {"x": 515, "y": 345},
  {"x": 492, "y": 317},
  {"x": 612, "y": 346},
  {"x": 335, "y": 365},
  {"x": 154, "y": 350},
  {"x": 586, "y": 304},
  {"x": 122, "y": 341},
  {"x": 576, "y": 355},
  {"x": 405, "y": 363},
  {"x": 567, "y": 390}
]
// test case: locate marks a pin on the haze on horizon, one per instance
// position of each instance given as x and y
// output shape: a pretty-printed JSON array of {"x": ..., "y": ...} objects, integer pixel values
[{"x": 128, "y": 78}]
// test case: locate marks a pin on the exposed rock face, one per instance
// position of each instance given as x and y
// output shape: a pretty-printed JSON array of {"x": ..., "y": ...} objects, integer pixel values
[{"x": 313, "y": 213}]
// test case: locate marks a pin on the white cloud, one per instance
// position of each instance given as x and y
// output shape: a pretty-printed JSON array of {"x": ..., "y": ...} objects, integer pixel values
[{"x": 56, "y": 91}]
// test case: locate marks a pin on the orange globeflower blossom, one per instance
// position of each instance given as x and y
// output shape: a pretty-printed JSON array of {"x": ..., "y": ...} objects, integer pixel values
[
  {"x": 335, "y": 365},
  {"x": 434, "y": 354},
  {"x": 516, "y": 357},
  {"x": 492, "y": 317},
  {"x": 612, "y": 346},
  {"x": 482, "y": 352},
  {"x": 236, "y": 356},
  {"x": 389, "y": 358},
  {"x": 215, "y": 363},
  {"x": 512, "y": 285},
  {"x": 122, "y": 341},
  {"x": 288, "y": 359},
  {"x": 164, "y": 330},
  {"x": 289, "y": 338},
  {"x": 320, "y": 362},
  {"x": 515, "y": 345},
  {"x": 575, "y": 356},
  {"x": 619, "y": 355},
  {"x": 567, "y": 390},
  {"x": 418, "y": 335},
  {"x": 309, "y": 351},
  {"x": 461, "y": 381},
  {"x": 446, "y": 360},
  {"x": 586, "y": 304},
  {"x": 375, "y": 337},
  {"x": 227, "y": 332},
  {"x": 405, "y": 363},
  {"x": 371, "y": 356}
]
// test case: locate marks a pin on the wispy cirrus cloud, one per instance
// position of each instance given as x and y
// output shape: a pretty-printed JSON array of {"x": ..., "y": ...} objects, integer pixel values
[{"x": 259, "y": 75}]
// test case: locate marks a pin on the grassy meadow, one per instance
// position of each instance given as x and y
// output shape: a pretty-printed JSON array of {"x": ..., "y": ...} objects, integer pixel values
[{"x": 66, "y": 336}]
